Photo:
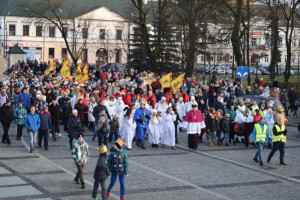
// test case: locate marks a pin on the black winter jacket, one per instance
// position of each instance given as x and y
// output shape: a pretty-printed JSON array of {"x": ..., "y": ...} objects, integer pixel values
[{"x": 101, "y": 171}]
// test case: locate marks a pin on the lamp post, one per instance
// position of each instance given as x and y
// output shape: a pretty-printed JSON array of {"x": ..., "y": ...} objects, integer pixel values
[{"x": 4, "y": 36}]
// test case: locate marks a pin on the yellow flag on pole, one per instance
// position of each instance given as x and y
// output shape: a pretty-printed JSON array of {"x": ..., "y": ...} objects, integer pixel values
[
  {"x": 177, "y": 83},
  {"x": 78, "y": 73},
  {"x": 166, "y": 80},
  {"x": 85, "y": 74},
  {"x": 65, "y": 70},
  {"x": 51, "y": 67}
]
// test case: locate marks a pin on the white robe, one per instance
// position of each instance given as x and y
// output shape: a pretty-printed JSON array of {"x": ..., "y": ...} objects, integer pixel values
[
  {"x": 111, "y": 111},
  {"x": 121, "y": 114},
  {"x": 168, "y": 134},
  {"x": 91, "y": 117},
  {"x": 161, "y": 107},
  {"x": 153, "y": 131},
  {"x": 129, "y": 131}
]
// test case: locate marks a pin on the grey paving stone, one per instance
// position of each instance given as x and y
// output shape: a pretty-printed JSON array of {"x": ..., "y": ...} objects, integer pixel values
[
  {"x": 4, "y": 171},
  {"x": 16, "y": 191},
  {"x": 11, "y": 180}
]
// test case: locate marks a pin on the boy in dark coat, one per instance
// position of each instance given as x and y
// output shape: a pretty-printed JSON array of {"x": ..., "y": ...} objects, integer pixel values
[
  {"x": 114, "y": 128},
  {"x": 44, "y": 127},
  {"x": 225, "y": 127},
  {"x": 101, "y": 173}
]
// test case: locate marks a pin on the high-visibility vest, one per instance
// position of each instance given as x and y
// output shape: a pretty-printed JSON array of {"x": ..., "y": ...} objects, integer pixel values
[
  {"x": 278, "y": 138},
  {"x": 260, "y": 134}
]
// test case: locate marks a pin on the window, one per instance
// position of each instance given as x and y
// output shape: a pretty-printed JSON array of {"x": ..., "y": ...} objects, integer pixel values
[
  {"x": 118, "y": 55},
  {"x": 102, "y": 34},
  {"x": 51, "y": 52},
  {"x": 25, "y": 30},
  {"x": 65, "y": 30},
  {"x": 84, "y": 55},
  {"x": 85, "y": 33},
  {"x": 52, "y": 31},
  {"x": 64, "y": 52},
  {"x": 38, "y": 32},
  {"x": 12, "y": 29},
  {"x": 119, "y": 34}
]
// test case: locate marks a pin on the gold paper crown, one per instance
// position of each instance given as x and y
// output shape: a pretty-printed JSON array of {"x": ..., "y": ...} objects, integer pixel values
[
  {"x": 120, "y": 142},
  {"x": 102, "y": 149}
]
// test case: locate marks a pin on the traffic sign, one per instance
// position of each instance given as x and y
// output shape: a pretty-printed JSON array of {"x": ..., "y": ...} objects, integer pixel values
[{"x": 242, "y": 72}]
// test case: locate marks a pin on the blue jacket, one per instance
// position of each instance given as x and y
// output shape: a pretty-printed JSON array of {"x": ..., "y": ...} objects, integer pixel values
[
  {"x": 32, "y": 122},
  {"x": 117, "y": 162},
  {"x": 25, "y": 99},
  {"x": 142, "y": 115},
  {"x": 45, "y": 120}
]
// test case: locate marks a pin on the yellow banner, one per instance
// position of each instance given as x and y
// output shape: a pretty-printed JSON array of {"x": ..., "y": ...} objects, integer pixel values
[
  {"x": 51, "y": 67},
  {"x": 177, "y": 83},
  {"x": 82, "y": 75},
  {"x": 65, "y": 70},
  {"x": 166, "y": 80}
]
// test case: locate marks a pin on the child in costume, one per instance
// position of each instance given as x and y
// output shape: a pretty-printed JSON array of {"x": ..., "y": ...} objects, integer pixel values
[{"x": 117, "y": 164}]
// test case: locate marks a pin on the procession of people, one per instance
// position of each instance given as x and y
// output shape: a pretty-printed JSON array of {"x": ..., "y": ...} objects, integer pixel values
[{"x": 123, "y": 107}]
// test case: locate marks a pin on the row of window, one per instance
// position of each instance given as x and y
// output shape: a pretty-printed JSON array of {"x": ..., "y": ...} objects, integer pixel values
[{"x": 39, "y": 32}]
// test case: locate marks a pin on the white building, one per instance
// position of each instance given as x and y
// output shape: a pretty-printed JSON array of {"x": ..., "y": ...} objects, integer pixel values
[{"x": 98, "y": 27}]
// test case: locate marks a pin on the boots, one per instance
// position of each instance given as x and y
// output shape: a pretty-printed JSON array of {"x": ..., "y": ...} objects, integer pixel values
[
  {"x": 108, "y": 194},
  {"x": 82, "y": 185},
  {"x": 211, "y": 144}
]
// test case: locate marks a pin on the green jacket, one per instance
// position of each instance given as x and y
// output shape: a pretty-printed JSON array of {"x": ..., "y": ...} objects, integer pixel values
[{"x": 18, "y": 112}]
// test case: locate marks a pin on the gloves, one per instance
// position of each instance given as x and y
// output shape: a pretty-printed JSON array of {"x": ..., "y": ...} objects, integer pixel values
[
  {"x": 140, "y": 121},
  {"x": 147, "y": 117}
]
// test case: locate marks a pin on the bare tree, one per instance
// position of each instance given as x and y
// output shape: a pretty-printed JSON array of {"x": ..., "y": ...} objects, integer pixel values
[{"x": 62, "y": 16}]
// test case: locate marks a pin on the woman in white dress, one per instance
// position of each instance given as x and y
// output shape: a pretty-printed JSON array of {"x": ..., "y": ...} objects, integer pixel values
[
  {"x": 120, "y": 111},
  {"x": 153, "y": 130},
  {"x": 162, "y": 105},
  {"x": 168, "y": 134},
  {"x": 111, "y": 109},
  {"x": 129, "y": 128},
  {"x": 91, "y": 118}
]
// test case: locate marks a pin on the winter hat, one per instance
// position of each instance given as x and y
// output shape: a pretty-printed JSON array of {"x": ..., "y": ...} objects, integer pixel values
[{"x": 44, "y": 107}]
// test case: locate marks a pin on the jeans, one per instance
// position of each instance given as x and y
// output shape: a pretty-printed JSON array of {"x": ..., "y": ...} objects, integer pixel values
[
  {"x": 103, "y": 188},
  {"x": 285, "y": 109},
  {"x": 113, "y": 135},
  {"x": 140, "y": 142},
  {"x": 32, "y": 138},
  {"x": 43, "y": 134},
  {"x": 219, "y": 133},
  {"x": 19, "y": 130},
  {"x": 102, "y": 139},
  {"x": 226, "y": 137},
  {"x": 95, "y": 131},
  {"x": 277, "y": 146},
  {"x": 259, "y": 151},
  {"x": 122, "y": 183},
  {"x": 5, "y": 137},
  {"x": 212, "y": 135},
  {"x": 79, "y": 174}
]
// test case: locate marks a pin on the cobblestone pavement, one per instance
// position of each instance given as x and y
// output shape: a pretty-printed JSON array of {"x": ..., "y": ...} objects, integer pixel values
[{"x": 207, "y": 173}]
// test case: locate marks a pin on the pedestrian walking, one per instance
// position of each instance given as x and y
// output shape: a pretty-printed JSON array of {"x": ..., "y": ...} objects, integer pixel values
[
  {"x": 101, "y": 173},
  {"x": 80, "y": 154},
  {"x": 55, "y": 111},
  {"x": 153, "y": 130},
  {"x": 32, "y": 122},
  {"x": 114, "y": 128},
  {"x": 117, "y": 164},
  {"x": 75, "y": 127},
  {"x": 129, "y": 128},
  {"x": 103, "y": 129},
  {"x": 46, "y": 125},
  {"x": 279, "y": 133},
  {"x": 168, "y": 133},
  {"x": 6, "y": 117},
  {"x": 225, "y": 127},
  {"x": 19, "y": 115},
  {"x": 142, "y": 117},
  {"x": 259, "y": 136}
]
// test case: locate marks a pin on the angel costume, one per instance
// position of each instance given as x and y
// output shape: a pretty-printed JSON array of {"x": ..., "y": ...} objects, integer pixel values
[
  {"x": 168, "y": 134},
  {"x": 194, "y": 122},
  {"x": 153, "y": 130},
  {"x": 129, "y": 131}
]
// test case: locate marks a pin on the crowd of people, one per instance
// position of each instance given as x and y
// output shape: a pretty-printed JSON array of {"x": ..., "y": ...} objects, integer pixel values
[{"x": 115, "y": 104}]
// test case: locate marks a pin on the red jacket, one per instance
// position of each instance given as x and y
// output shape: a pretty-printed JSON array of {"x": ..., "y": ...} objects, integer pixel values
[
  {"x": 103, "y": 75},
  {"x": 168, "y": 96},
  {"x": 185, "y": 97},
  {"x": 152, "y": 99},
  {"x": 128, "y": 100}
]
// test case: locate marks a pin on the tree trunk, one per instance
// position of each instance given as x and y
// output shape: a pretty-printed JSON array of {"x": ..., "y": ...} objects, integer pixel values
[
  {"x": 274, "y": 46},
  {"x": 192, "y": 50}
]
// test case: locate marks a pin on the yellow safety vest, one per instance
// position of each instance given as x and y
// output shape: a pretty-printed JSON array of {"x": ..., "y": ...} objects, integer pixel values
[
  {"x": 278, "y": 138},
  {"x": 264, "y": 112},
  {"x": 260, "y": 134}
]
